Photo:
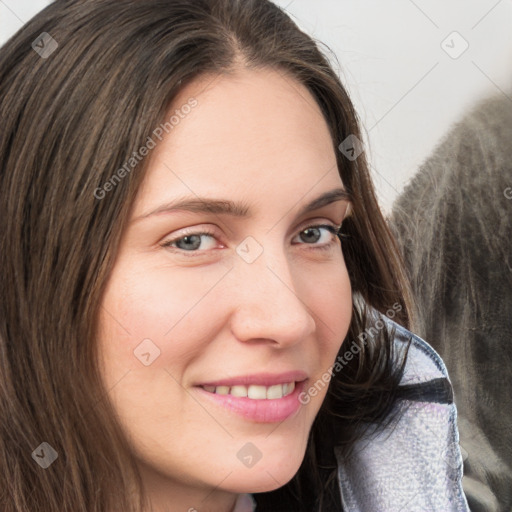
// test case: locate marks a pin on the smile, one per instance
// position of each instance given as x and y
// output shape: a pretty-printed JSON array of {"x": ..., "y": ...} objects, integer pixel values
[
  {"x": 260, "y": 398},
  {"x": 254, "y": 391}
]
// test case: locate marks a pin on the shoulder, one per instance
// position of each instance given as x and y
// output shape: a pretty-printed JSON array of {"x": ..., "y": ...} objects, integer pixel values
[
  {"x": 424, "y": 367},
  {"x": 415, "y": 464}
]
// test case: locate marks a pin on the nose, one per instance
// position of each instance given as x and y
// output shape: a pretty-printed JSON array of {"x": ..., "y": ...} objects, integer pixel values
[{"x": 269, "y": 306}]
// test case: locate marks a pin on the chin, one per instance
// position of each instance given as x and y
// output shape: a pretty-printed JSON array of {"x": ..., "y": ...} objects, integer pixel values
[{"x": 266, "y": 476}]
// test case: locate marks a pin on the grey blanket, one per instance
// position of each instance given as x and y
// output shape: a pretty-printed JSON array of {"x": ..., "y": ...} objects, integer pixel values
[{"x": 454, "y": 225}]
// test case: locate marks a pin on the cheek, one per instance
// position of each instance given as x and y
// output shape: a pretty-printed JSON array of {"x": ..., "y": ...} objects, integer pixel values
[
  {"x": 157, "y": 311},
  {"x": 332, "y": 301},
  {"x": 153, "y": 326}
]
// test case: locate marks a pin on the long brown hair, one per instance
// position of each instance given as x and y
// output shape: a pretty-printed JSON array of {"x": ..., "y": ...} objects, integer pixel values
[{"x": 82, "y": 86}]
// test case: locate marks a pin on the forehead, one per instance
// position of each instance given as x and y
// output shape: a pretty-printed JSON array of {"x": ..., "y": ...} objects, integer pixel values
[{"x": 251, "y": 131}]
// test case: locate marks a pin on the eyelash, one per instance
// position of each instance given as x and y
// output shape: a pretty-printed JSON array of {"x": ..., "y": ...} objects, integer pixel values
[{"x": 334, "y": 230}]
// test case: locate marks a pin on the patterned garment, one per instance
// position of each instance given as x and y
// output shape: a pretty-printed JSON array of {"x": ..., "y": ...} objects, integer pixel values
[{"x": 414, "y": 465}]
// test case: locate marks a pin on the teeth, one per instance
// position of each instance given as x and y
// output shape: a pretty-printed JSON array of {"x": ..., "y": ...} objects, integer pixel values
[
  {"x": 253, "y": 391},
  {"x": 275, "y": 391},
  {"x": 257, "y": 392},
  {"x": 288, "y": 388},
  {"x": 238, "y": 391}
]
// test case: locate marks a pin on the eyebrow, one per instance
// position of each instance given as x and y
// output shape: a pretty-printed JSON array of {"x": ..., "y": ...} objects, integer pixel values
[{"x": 227, "y": 207}]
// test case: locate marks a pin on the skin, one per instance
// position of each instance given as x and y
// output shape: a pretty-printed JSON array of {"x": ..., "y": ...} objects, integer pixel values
[{"x": 255, "y": 136}]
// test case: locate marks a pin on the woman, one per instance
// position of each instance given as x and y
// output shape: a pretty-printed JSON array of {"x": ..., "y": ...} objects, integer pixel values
[{"x": 199, "y": 286}]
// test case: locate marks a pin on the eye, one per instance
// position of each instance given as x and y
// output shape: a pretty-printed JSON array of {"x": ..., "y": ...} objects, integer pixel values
[
  {"x": 190, "y": 241},
  {"x": 313, "y": 234}
]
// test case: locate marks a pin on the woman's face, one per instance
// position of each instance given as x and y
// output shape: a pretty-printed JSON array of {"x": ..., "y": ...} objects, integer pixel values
[{"x": 258, "y": 305}]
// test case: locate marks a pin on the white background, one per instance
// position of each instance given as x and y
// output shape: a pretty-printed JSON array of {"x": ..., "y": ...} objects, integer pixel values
[{"x": 407, "y": 89}]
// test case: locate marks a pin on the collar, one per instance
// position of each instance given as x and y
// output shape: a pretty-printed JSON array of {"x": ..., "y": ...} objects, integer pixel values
[{"x": 245, "y": 503}]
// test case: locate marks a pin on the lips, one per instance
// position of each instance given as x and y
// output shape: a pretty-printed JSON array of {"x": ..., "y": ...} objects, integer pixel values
[{"x": 263, "y": 398}]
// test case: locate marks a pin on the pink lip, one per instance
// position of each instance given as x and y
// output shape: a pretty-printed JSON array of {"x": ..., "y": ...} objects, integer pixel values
[
  {"x": 260, "y": 379},
  {"x": 259, "y": 411}
]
